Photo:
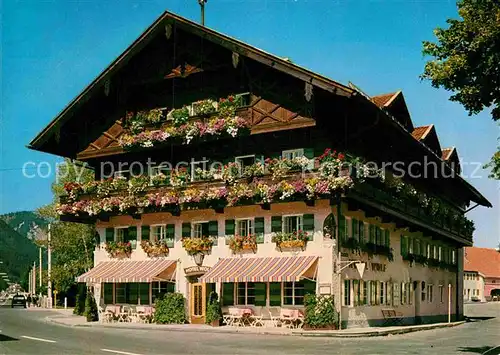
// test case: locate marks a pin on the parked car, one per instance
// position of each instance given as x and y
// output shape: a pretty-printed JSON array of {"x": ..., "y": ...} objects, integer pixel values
[{"x": 18, "y": 300}]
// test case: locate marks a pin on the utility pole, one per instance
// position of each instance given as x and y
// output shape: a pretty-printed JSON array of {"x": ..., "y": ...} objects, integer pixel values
[
  {"x": 202, "y": 5},
  {"x": 40, "y": 267},
  {"x": 33, "y": 282},
  {"x": 49, "y": 265}
]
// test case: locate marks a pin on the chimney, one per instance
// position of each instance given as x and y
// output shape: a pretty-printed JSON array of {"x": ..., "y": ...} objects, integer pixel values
[{"x": 202, "y": 5}]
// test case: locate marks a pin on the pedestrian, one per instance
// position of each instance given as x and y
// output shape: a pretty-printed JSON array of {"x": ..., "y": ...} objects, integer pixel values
[{"x": 28, "y": 300}]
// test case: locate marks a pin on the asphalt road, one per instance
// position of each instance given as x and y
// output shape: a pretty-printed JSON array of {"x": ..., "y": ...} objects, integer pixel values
[{"x": 27, "y": 332}]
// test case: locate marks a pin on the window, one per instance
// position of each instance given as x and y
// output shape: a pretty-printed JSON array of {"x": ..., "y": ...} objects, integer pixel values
[
  {"x": 428, "y": 255},
  {"x": 197, "y": 169},
  {"x": 347, "y": 292},
  {"x": 404, "y": 293},
  {"x": 423, "y": 292},
  {"x": 365, "y": 291},
  {"x": 164, "y": 233},
  {"x": 454, "y": 257},
  {"x": 158, "y": 232},
  {"x": 373, "y": 293},
  {"x": 382, "y": 293},
  {"x": 418, "y": 250},
  {"x": 329, "y": 227},
  {"x": 132, "y": 293},
  {"x": 200, "y": 230},
  {"x": 246, "y": 293},
  {"x": 293, "y": 153},
  {"x": 430, "y": 293},
  {"x": 161, "y": 288},
  {"x": 440, "y": 253},
  {"x": 108, "y": 293},
  {"x": 434, "y": 252},
  {"x": 358, "y": 230},
  {"x": 121, "y": 234},
  {"x": 244, "y": 227},
  {"x": 292, "y": 223},
  {"x": 244, "y": 162},
  {"x": 293, "y": 293}
]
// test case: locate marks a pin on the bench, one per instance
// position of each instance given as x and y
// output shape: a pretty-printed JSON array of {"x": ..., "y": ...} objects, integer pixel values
[{"x": 392, "y": 317}]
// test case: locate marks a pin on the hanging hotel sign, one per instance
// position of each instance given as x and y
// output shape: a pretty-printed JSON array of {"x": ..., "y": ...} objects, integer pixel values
[{"x": 196, "y": 270}]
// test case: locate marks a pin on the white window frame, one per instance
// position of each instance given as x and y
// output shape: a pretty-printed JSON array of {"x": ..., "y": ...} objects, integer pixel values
[
  {"x": 250, "y": 226},
  {"x": 430, "y": 293},
  {"x": 293, "y": 153},
  {"x": 194, "y": 165},
  {"x": 293, "y": 294},
  {"x": 236, "y": 298},
  {"x": 239, "y": 158},
  {"x": 116, "y": 234},
  {"x": 153, "y": 234},
  {"x": 344, "y": 294},
  {"x": 440, "y": 253},
  {"x": 300, "y": 226},
  {"x": 193, "y": 227}
]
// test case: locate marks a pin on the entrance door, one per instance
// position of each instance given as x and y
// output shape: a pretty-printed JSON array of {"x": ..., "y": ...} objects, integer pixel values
[{"x": 197, "y": 304}]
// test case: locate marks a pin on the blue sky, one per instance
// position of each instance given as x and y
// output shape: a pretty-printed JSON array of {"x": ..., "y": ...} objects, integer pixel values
[{"x": 52, "y": 49}]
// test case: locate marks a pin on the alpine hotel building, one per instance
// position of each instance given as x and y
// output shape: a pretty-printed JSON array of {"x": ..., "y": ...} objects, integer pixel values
[{"x": 261, "y": 202}]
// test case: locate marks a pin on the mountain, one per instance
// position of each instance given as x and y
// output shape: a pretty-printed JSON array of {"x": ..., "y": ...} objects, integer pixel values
[
  {"x": 16, "y": 251},
  {"x": 24, "y": 222}
]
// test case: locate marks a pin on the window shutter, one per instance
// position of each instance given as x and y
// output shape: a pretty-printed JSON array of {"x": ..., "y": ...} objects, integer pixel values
[
  {"x": 309, "y": 287},
  {"x": 342, "y": 225},
  {"x": 308, "y": 225},
  {"x": 309, "y": 154},
  {"x": 259, "y": 159},
  {"x": 132, "y": 236},
  {"x": 228, "y": 294},
  {"x": 276, "y": 224},
  {"x": 170, "y": 231},
  {"x": 229, "y": 227},
  {"x": 275, "y": 294},
  {"x": 387, "y": 238},
  {"x": 213, "y": 229},
  {"x": 259, "y": 229},
  {"x": 110, "y": 234},
  {"x": 145, "y": 233},
  {"x": 372, "y": 233},
  {"x": 355, "y": 228},
  {"x": 260, "y": 294},
  {"x": 361, "y": 232},
  {"x": 186, "y": 230}
]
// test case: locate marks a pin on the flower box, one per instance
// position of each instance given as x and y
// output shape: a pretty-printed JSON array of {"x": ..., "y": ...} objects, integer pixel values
[
  {"x": 155, "y": 248},
  {"x": 291, "y": 240},
  {"x": 243, "y": 243},
  {"x": 197, "y": 245},
  {"x": 118, "y": 249}
]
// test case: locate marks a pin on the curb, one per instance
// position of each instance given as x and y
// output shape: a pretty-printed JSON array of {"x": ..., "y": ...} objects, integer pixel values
[{"x": 222, "y": 330}]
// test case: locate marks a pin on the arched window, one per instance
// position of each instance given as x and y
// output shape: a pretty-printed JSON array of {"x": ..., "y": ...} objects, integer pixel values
[{"x": 329, "y": 227}]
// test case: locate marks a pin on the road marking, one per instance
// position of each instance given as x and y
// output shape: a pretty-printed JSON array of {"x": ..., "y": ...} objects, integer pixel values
[
  {"x": 39, "y": 339},
  {"x": 490, "y": 351},
  {"x": 119, "y": 352}
]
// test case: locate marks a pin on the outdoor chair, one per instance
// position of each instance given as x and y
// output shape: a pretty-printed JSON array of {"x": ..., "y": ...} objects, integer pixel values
[
  {"x": 257, "y": 321},
  {"x": 275, "y": 319}
]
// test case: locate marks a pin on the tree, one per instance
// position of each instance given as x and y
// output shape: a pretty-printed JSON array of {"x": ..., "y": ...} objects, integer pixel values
[
  {"x": 72, "y": 244},
  {"x": 467, "y": 60}
]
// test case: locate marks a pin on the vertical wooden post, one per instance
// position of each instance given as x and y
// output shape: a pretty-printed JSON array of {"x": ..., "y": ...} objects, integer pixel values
[{"x": 449, "y": 303}]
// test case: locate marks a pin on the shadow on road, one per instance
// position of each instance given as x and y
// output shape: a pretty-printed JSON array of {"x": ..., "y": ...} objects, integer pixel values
[
  {"x": 6, "y": 338},
  {"x": 480, "y": 350},
  {"x": 477, "y": 319}
]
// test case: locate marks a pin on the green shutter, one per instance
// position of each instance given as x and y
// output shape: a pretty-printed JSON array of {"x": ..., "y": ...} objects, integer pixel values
[
  {"x": 275, "y": 155},
  {"x": 259, "y": 229},
  {"x": 309, "y": 153},
  {"x": 355, "y": 228},
  {"x": 213, "y": 229},
  {"x": 145, "y": 233},
  {"x": 276, "y": 224},
  {"x": 228, "y": 294},
  {"x": 275, "y": 294},
  {"x": 170, "y": 234},
  {"x": 132, "y": 236},
  {"x": 110, "y": 234},
  {"x": 361, "y": 228},
  {"x": 186, "y": 230},
  {"x": 308, "y": 225},
  {"x": 260, "y": 294},
  {"x": 229, "y": 229},
  {"x": 387, "y": 238},
  {"x": 372, "y": 233},
  {"x": 309, "y": 287},
  {"x": 342, "y": 228}
]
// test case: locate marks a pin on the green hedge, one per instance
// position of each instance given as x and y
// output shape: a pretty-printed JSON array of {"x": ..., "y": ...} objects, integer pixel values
[
  {"x": 91, "y": 308},
  {"x": 171, "y": 308},
  {"x": 320, "y": 311},
  {"x": 214, "y": 312}
]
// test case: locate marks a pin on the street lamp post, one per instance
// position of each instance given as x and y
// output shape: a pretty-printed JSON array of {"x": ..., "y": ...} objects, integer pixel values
[{"x": 49, "y": 266}]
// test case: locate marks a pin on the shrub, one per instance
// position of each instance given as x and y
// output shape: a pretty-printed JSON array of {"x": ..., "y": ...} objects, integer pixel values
[
  {"x": 214, "y": 312},
  {"x": 320, "y": 311},
  {"x": 170, "y": 309},
  {"x": 80, "y": 300},
  {"x": 91, "y": 308}
]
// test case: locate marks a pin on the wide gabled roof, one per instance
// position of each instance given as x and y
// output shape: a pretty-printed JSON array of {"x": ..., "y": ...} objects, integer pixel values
[
  {"x": 421, "y": 132},
  {"x": 281, "y": 64},
  {"x": 484, "y": 260}
]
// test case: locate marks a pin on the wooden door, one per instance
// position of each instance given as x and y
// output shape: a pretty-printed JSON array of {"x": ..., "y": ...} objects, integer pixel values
[{"x": 197, "y": 303}]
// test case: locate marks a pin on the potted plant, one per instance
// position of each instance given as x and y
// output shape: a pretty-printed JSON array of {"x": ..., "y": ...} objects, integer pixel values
[
  {"x": 118, "y": 249},
  {"x": 213, "y": 312},
  {"x": 155, "y": 248},
  {"x": 296, "y": 239},
  {"x": 241, "y": 243}
]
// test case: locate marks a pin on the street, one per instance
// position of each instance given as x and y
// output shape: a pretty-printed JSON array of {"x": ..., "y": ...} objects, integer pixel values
[{"x": 27, "y": 332}]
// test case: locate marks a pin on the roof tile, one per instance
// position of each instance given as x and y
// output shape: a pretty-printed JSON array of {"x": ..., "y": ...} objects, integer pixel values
[
  {"x": 382, "y": 100},
  {"x": 484, "y": 260},
  {"x": 420, "y": 132}
]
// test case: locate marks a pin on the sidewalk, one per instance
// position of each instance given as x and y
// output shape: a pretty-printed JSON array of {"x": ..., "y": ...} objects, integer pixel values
[{"x": 67, "y": 318}]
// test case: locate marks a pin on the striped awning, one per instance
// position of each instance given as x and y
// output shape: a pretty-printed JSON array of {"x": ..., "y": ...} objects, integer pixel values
[
  {"x": 271, "y": 269},
  {"x": 123, "y": 271}
]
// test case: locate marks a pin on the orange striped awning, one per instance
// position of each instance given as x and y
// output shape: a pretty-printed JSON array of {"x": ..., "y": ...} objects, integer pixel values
[
  {"x": 123, "y": 271},
  {"x": 277, "y": 269}
]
